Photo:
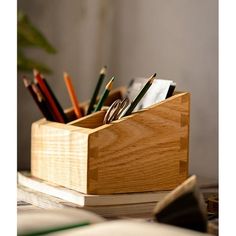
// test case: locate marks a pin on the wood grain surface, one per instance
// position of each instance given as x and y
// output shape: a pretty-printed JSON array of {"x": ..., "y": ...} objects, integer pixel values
[{"x": 146, "y": 151}]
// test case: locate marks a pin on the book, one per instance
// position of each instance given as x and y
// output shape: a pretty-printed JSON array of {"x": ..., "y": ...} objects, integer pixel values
[
  {"x": 39, "y": 221},
  {"x": 181, "y": 212},
  {"x": 69, "y": 222},
  {"x": 26, "y": 180},
  {"x": 47, "y": 195},
  {"x": 46, "y": 201},
  {"x": 129, "y": 228}
]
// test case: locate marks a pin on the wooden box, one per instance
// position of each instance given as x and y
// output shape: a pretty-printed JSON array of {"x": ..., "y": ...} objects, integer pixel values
[{"x": 145, "y": 151}]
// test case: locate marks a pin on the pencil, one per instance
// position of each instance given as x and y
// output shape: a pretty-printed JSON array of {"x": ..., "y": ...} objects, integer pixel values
[
  {"x": 38, "y": 91},
  {"x": 72, "y": 95},
  {"x": 96, "y": 91},
  {"x": 58, "y": 105},
  {"x": 48, "y": 96},
  {"x": 38, "y": 99},
  {"x": 104, "y": 95},
  {"x": 47, "y": 109},
  {"x": 140, "y": 95}
]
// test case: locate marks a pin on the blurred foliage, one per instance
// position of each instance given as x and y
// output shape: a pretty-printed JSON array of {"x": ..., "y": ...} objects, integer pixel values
[{"x": 29, "y": 36}]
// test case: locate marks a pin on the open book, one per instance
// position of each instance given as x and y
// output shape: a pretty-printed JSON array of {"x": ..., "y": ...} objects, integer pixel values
[
  {"x": 71, "y": 222},
  {"x": 40, "y": 222}
]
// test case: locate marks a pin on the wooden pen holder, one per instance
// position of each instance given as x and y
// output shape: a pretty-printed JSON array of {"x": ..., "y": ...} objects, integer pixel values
[{"x": 145, "y": 151}]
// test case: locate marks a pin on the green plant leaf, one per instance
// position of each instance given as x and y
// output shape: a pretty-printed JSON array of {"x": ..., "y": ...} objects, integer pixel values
[
  {"x": 27, "y": 65},
  {"x": 29, "y": 36}
]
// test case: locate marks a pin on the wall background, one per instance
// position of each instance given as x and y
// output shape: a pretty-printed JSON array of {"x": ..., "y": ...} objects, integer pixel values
[{"x": 178, "y": 39}]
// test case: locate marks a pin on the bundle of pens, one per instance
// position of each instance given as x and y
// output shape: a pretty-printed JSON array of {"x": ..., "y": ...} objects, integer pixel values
[{"x": 51, "y": 109}]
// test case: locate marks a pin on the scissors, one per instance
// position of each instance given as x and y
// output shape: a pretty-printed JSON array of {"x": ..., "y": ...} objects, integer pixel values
[{"x": 115, "y": 110}]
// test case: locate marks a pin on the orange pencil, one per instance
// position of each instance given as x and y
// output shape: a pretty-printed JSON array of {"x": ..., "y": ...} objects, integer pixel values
[
  {"x": 72, "y": 95},
  {"x": 48, "y": 96}
]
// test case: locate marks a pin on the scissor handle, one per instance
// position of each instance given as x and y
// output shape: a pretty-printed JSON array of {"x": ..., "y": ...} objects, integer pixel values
[
  {"x": 115, "y": 110},
  {"x": 112, "y": 111},
  {"x": 124, "y": 103}
]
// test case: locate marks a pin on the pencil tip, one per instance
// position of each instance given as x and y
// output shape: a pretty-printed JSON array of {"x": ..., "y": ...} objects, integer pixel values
[
  {"x": 26, "y": 81},
  {"x": 35, "y": 72},
  {"x": 65, "y": 74},
  {"x": 152, "y": 78},
  {"x": 37, "y": 92},
  {"x": 103, "y": 70},
  {"x": 109, "y": 84}
]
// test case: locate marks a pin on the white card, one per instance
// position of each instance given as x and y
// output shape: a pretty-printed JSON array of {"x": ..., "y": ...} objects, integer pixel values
[{"x": 156, "y": 93}]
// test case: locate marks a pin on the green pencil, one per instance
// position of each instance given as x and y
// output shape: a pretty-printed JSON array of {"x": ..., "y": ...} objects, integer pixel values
[
  {"x": 104, "y": 95},
  {"x": 140, "y": 95},
  {"x": 96, "y": 91},
  {"x": 53, "y": 230}
]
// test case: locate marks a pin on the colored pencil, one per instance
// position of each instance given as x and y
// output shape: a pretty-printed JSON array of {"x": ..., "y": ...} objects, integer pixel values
[
  {"x": 96, "y": 91},
  {"x": 48, "y": 97},
  {"x": 72, "y": 95},
  {"x": 38, "y": 90},
  {"x": 104, "y": 95},
  {"x": 58, "y": 105},
  {"x": 45, "y": 105},
  {"x": 38, "y": 98},
  {"x": 140, "y": 95}
]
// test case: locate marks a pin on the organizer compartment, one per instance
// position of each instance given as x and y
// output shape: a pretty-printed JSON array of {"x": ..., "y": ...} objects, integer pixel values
[{"x": 146, "y": 151}]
